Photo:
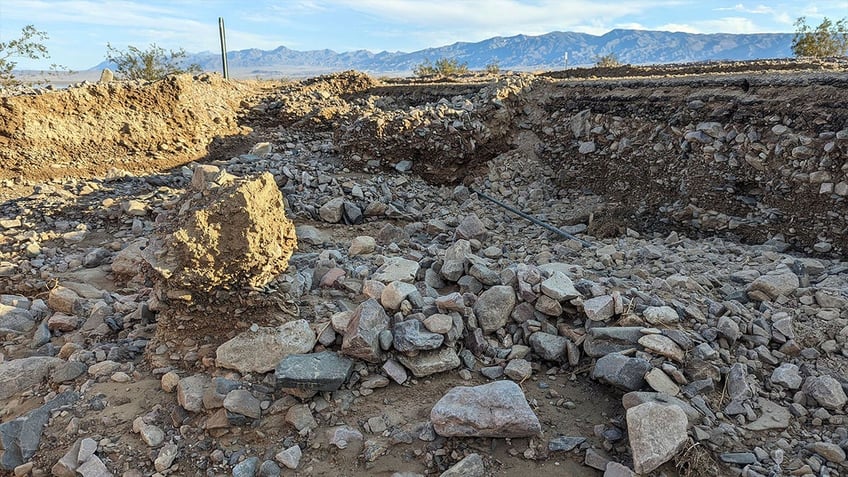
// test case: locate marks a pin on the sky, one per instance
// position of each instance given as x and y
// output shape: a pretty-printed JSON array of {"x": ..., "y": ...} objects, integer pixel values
[{"x": 80, "y": 29}]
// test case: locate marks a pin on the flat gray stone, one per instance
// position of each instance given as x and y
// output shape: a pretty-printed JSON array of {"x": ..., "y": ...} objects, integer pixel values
[
  {"x": 621, "y": 371},
  {"x": 26, "y": 373},
  {"x": 14, "y": 319},
  {"x": 426, "y": 363},
  {"x": 775, "y": 285},
  {"x": 657, "y": 433},
  {"x": 411, "y": 335},
  {"x": 260, "y": 351},
  {"x": 324, "y": 371},
  {"x": 396, "y": 269},
  {"x": 241, "y": 401},
  {"x": 497, "y": 409},
  {"x": 470, "y": 466},
  {"x": 772, "y": 416},
  {"x": 20, "y": 437}
]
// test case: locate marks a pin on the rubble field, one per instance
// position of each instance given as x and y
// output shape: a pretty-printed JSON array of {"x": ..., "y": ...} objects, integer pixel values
[{"x": 204, "y": 277}]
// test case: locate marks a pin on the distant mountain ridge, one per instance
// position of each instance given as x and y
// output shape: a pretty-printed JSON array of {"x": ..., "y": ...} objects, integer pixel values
[{"x": 520, "y": 52}]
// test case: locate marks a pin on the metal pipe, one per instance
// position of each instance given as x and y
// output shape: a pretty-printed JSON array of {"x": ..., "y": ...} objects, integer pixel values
[
  {"x": 533, "y": 219},
  {"x": 223, "y": 35}
]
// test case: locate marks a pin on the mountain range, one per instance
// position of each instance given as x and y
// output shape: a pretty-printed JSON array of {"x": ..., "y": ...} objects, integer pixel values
[{"x": 520, "y": 52}]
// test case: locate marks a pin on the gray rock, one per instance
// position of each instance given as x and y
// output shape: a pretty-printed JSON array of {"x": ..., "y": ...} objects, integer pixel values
[
  {"x": 410, "y": 335},
  {"x": 497, "y": 409},
  {"x": 260, "y": 351},
  {"x": 606, "y": 340},
  {"x": 324, "y": 371},
  {"x": 564, "y": 443},
  {"x": 426, "y": 363},
  {"x": 455, "y": 258},
  {"x": 67, "y": 371},
  {"x": 775, "y": 285},
  {"x": 826, "y": 391},
  {"x": 241, "y": 401},
  {"x": 26, "y": 373},
  {"x": 470, "y": 466},
  {"x": 772, "y": 416},
  {"x": 471, "y": 227},
  {"x": 332, "y": 210},
  {"x": 395, "y": 371},
  {"x": 635, "y": 398},
  {"x": 394, "y": 293},
  {"x": 290, "y": 457},
  {"x": 190, "y": 392},
  {"x": 19, "y": 438},
  {"x": 518, "y": 369},
  {"x": 621, "y": 371},
  {"x": 93, "y": 467},
  {"x": 269, "y": 468},
  {"x": 343, "y": 436},
  {"x": 166, "y": 457},
  {"x": 494, "y": 307},
  {"x": 738, "y": 458},
  {"x": 788, "y": 375},
  {"x": 738, "y": 388},
  {"x": 301, "y": 418},
  {"x": 397, "y": 269},
  {"x": 246, "y": 468},
  {"x": 651, "y": 444},
  {"x": 559, "y": 287},
  {"x": 831, "y": 452},
  {"x": 661, "y": 315},
  {"x": 14, "y": 319},
  {"x": 549, "y": 347},
  {"x": 362, "y": 337},
  {"x": 600, "y": 308}
]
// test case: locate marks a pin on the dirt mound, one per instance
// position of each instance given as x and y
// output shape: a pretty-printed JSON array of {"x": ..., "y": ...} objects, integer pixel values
[
  {"x": 137, "y": 127},
  {"x": 228, "y": 234}
]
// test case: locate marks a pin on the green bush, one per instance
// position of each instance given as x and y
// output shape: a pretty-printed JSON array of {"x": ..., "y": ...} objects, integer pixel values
[
  {"x": 443, "y": 67},
  {"x": 828, "y": 39},
  {"x": 29, "y": 45},
  {"x": 494, "y": 67},
  {"x": 607, "y": 61},
  {"x": 151, "y": 64}
]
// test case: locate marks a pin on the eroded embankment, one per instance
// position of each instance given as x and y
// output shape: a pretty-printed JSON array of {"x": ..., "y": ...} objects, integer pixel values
[
  {"x": 83, "y": 131},
  {"x": 747, "y": 156}
]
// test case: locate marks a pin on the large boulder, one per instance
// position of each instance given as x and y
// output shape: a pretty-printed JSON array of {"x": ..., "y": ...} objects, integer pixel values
[{"x": 233, "y": 234}]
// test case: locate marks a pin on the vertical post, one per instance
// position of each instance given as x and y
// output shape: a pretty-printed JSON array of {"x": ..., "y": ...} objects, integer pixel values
[
  {"x": 566, "y": 60},
  {"x": 223, "y": 47}
]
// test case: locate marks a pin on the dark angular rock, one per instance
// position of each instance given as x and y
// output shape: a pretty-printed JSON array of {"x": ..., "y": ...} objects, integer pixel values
[
  {"x": 410, "y": 335},
  {"x": 621, "y": 371},
  {"x": 324, "y": 371},
  {"x": 20, "y": 437}
]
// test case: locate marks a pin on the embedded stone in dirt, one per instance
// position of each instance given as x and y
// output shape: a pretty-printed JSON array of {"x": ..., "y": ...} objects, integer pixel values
[
  {"x": 236, "y": 235},
  {"x": 497, "y": 409}
]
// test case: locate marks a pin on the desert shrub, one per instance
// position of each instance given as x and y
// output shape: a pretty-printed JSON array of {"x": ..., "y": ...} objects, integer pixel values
[
  {"x": 607, "y": 61},
  {"x": 827, "y": 39},
  {"x": 29, "y": 45},
  {"x": 442, "y": 67},
  {"x": 493, "y": 68},
  {"x": 151, "y": 64}
]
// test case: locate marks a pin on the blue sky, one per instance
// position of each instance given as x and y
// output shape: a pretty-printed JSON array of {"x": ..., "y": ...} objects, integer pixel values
[{"x": 80, "y": 29}]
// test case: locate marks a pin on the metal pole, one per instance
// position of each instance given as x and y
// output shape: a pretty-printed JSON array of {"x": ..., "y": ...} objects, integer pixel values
[
  {"x": 533, "y": 219},
  {"x": 223, "y": 35}
]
